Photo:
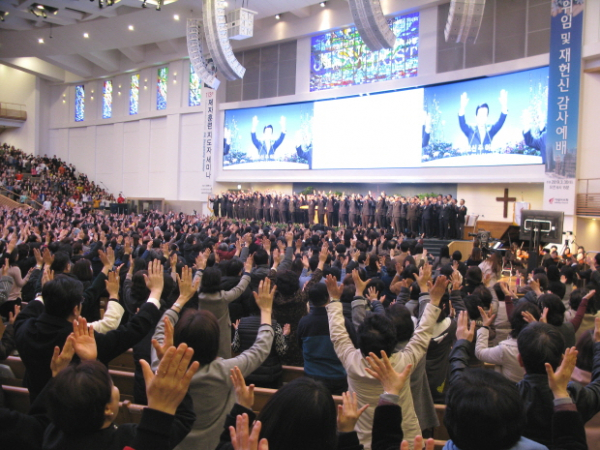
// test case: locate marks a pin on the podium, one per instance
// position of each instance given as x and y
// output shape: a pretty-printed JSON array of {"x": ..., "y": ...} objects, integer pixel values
[
  {"x": 316, "y": 218},
  {"x": 119, "y": 208}
]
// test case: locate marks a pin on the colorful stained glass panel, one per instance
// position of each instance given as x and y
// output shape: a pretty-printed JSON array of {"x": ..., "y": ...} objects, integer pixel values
[
  {"x": 195, "y": 88},
  {"x": 107, "y": 99},
  {"x": 341, "y": 58},
  {"x": 161, "y": 88},
  {"x": 134, "y": 94},
  {"x": 79, "y": 103}
]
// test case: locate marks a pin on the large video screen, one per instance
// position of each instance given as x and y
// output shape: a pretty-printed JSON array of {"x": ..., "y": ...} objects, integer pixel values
[{"x": 484, "y": 122}]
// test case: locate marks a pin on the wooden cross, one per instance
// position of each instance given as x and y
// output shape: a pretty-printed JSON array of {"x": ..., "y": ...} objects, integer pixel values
[{"x": 506, "y": 199}]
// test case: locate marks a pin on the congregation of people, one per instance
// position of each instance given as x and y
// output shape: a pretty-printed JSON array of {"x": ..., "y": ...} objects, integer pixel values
[
  {"x": 215, "y": 307},
  {"x": 427, "y": 216}
]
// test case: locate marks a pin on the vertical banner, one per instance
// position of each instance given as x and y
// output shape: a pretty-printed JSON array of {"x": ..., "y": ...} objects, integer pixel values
[
  {"x": 566, "y": 31},
  {"x": 208, "y": 149}
]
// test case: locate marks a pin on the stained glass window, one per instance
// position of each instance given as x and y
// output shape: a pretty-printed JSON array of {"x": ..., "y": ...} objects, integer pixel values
[
  {"x": 107, "y": 99},
  {"x": 161, "y": 88},
  {"x": 79, "y": 103},
  {"x": 341, "y": 58},
  {"x": 195, "y": 88},
  {"x": 134, "y": 94}
]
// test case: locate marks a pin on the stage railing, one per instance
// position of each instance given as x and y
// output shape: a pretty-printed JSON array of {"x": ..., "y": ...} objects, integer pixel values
[
  {"x": 588, "y": 197},
  {"x": 14, "y": 111}
]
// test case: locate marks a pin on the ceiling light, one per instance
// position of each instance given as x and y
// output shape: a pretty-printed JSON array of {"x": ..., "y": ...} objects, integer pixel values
[
  {"x": 176, "y": 17},
  {"x": 130, "y": 27},
  {"x": 159, "y": 4},
  {"x": 85, "y": 35},
  {"x": 322, "y": 4},
  {"x": 277, "y": 16},
  {"x": 3, "y": 14},
  {"x": 40, "y": 40}
]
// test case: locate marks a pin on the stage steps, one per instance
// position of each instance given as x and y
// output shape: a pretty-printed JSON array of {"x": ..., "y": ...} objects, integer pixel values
[{"x": 433, "y": 246}]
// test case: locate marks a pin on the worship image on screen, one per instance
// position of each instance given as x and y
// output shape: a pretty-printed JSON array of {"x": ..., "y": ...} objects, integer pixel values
[
  {"x": 491, "y": 121},
  {"x": 484, "y": 122},
  {"x": 274, "y": 137}
]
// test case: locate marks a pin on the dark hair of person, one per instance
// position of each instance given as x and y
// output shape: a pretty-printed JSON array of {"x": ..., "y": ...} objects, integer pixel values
[
  {"x": 472, "y": 304},
  {"x": 332, "y": 270},
  {"x": 300, "y": 415},
  {"x": 318, "y": 294},
  {"x": 348, "y": 294},
  {"x": 199, "y": 329},
  {"x": 61, "y": 262},
  {"x": 540, "y": 343},
  {"x": 484, "y": 410},
  {"x": 402, "y": 320},
  {"x": 568, "y": 273},
  {"x": 82, "y": 270},
  {"x": 287, "y": 282},
  {"x": 476, "y": 254},
  {"x": 444, "y": 251},
  {"x": 483, "y": 105},
  {"x": 261, "y": 257},
  {"x": 484, "y": 294},
  {"x": 553, "y": 273},
  {"x": 517, "y": 323},
  {"x": 457, "y": 255},
  {"x": 585, "y": 349},
  {"x": 473, "y": 277},
  {"x": 139, "y": 264},
  {"x": 211, "y": 281},
  {"x": 234, "y": 267},
  {"x": 543, "y": 280},
  {"x": 77, "y": 398},
  {"x": 61, "y": 296},
  {"x": 556, "y": 308},
  {"x": 376, "y": 333}
]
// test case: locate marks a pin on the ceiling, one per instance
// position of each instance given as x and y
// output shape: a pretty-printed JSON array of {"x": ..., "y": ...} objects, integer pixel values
[{"x": 111, "y": 46}]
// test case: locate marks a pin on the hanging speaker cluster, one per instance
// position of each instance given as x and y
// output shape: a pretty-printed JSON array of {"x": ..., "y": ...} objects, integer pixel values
[
  {"x": 208, "y": 41},
  {"x": 464, "y": 21},
  {"x": 199, "y": 54},
  {"x": 371, "y": 24}
]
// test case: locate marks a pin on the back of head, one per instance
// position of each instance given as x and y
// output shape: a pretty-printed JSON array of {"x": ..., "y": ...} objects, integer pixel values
[
  {"x": 517, "y": 323},
  {"x": 540, "y": 343},
  {"x": 556, "y": 308},
  {"x": 288, "y": 283},
  {"x": 61, "y": 262},
  {"x": 199, "y": 329},
  {"x": 484, "y": 295},
  {"x": 402, "y": 320},
  {"x": 77, "y": 398},
  {"x": 83, "y": 270},
  {"x": 211, "y": 280},
  {"x": 62, "y": 295},
  {"x": 261, "y": 257},
  {"x": 484, "y": 410},
  {"x": 472, "y": 303},
  {"x": 300, "y": 416},
  {"x": 376, "y": 333},
  {"x": 318, "y": 294}
]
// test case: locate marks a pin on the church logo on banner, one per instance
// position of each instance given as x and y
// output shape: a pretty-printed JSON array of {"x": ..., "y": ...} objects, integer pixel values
[
  {"x": 566, "y": 30},
  {"x": 208, "y": 149}
]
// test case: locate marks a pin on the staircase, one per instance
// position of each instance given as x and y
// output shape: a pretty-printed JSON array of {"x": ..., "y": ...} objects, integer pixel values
[
  {"x": 10, "y": 203},
  {"x": 433, "y": 245}
]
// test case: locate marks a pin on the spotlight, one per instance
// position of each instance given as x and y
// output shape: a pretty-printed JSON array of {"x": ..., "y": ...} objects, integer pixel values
[
  {"x": 40, "y": 40},
  {"x": 130, "y": 27},
  {"x": 176, "y": 17},
  {"x": 322, "y": 4},
  {"x": 3, "y": 14},
  {"x": 85, "y": 35},
  {"x": 39, "y": 10},
  {"x": 278, "y": 16}
]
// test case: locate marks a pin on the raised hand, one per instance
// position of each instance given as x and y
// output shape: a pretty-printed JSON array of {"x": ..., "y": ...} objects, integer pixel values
[
  {"x": 423, "y": 277},
  {"x": 244, "y": 395},
  {"x": 166, "y": 389},
  {"x": 264, "y": 296},
  {"x": 155, "y": 280},
  {"x": 488, "y": 318},
  {"x": 187, "y": 286},
  {"x": 437, "y": 290},
  {"x": 84, "y": 340},
  {"x": 12, "y": 316},
  {"x": 287, "y": 329},
  {"x": 61, "y": 360},
  {"x": 359, "y": 284},
  {"x": 241, "y": 439},
  {"x": 249, "y": 264},
  {"x": 113, "y": 284},
  {"x": 465, "y": 330},
  {"x": 348, "y": 412},
  {"x": 167, "y": 339},
  {"x": 48, "y": 257},
  {"x": 559, "y": 380},
  {"x": 48, "y": 275},
  {"x": 333, "y": 289},
  {"x": 381, "y": 369}
]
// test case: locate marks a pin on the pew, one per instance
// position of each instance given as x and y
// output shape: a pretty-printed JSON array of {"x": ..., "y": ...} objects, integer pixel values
[{"x": 16, "y": 398}]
